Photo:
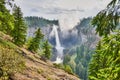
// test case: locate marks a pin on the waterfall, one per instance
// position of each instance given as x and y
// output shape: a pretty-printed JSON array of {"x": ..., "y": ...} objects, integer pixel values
[
  {"x": 58, "y": 46},
  {"x": 56, "y": 36}
]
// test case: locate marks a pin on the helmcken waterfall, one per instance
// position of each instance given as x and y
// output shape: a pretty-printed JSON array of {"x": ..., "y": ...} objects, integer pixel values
[{"x": 59, "y": 48}]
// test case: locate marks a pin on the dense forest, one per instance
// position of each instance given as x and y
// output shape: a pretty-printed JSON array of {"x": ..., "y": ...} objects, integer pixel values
[
  {"x": 34, "y": 21},
  {"x": 79, "y": 57}
]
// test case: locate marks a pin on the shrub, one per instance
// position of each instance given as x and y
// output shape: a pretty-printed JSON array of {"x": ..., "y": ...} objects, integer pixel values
[
  {"x": 59, "y": 66},
  {"x": 68, "y": 69}
]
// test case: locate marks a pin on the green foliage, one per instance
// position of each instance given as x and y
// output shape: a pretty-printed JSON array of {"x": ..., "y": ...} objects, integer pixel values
[
  {"x": 35, "y": 42},
  {"x": 34, "y": 21},
  {"x": 82, "y": 53},
  {"x": 65, "y": 67},
  {"x": 66, "y": 59},
  {"x": 105, "y": 63},
  {"x": 28, "y": 42},
  {"x": 107, "y": 19},
  {"x": 68, "y": 69},
  {"x": 20, "y": 29},
  {"x": 60, "y": 66},
  {"x": 79, "y": 61},
  {"x": 7, "y": 44},
  {"x": 82, "y": 60},
  {"x": 10, "y": 62},
  {"x": 72, "y": 65},
  {"x": 47, "y": 50},
  {"x": 6, "y": 19}
]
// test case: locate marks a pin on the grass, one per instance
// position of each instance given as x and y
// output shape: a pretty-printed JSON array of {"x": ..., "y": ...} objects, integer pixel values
[{"x": 7, "y": 44}]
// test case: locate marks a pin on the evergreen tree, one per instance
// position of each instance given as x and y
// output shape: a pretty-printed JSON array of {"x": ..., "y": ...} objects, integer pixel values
[
  {"x": 107, "y": 19},
  {"x": 105, "y": 64},
  {"x": 66, "y": 59},
  {"x": 6, "y": 19},
  {"x": 20, "y": 29},
  {"x": 47, "y": 49},
  {"x": 35, "y": 42}
]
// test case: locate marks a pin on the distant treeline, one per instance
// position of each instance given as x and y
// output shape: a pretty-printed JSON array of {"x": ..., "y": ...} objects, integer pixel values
[{"x": 34, "y": 21}]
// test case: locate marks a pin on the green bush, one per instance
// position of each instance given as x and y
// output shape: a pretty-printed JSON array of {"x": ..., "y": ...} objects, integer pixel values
[
  {"x": 68, "y": 69},
  {"x": 60, "y": 66},
  {"x": 10, "y": 62}
]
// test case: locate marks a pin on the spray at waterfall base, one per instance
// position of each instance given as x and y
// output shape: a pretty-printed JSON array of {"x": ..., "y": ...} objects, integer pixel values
[{"x": 58, "y": 47}]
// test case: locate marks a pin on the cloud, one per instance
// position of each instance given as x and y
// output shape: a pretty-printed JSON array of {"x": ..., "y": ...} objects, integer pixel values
[
  {"x": 54, "y": 8},
  {"x": 68, "y": 12}
]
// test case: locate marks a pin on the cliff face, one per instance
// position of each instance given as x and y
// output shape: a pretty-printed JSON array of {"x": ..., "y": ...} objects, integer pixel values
[
  {"x": 83, "y": 33},
  {"x": 80, "y": 34},
  {"x": 35, "y": 68}
]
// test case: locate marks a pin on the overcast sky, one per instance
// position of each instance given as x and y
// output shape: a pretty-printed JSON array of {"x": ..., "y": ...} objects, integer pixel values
[
  {"x": 56, "y": 8},
  {"x": 68, "y": 12}
]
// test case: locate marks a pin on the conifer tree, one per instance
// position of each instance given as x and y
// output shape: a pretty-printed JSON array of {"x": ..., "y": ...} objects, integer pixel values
[
  {"x": 105, "y": 64},
  {"x": 6, "y": 19},
  {"x": 47, "y": 49},
  {"x": 20, "y": 29},
  {"x": 35, "y": 42}
]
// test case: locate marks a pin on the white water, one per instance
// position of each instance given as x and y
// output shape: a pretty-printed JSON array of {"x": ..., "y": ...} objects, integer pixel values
[
  {"x": 58, "y": 47},
  {"x": 56, "y": 37}
]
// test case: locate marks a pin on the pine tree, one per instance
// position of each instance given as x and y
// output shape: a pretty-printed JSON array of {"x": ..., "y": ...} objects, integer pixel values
[
  {"x": 107, "y": 19},
  {"x": 6, "y": 19},
  {"x": 20, "y": 29},
  {"x": 47, "y": 50},
  {"x": 105, "y": 64},
  {"x": 35, "y": 42}
]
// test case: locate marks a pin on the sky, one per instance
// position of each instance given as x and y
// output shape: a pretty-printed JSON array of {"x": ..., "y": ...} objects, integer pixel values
[{"x": 66, "y": 11}]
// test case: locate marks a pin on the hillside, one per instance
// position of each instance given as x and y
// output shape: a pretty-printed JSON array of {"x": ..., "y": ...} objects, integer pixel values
[
  {"x": 34, "y": 21},
  {"x": 35, "y": 68}
]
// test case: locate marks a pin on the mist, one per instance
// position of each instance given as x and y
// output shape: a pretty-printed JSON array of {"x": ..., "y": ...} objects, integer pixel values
[{"x": 67, "y": 21}]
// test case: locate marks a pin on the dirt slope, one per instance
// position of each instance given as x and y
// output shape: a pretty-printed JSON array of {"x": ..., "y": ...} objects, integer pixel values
[{"x": 37, "y": 69}]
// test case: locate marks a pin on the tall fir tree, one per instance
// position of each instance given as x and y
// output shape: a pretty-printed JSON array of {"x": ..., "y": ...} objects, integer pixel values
[
  {"x": 20, "y": 30},
  {"x": 35, "y": 42},
  {"x": 47, "y": 49}
]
